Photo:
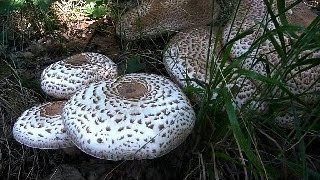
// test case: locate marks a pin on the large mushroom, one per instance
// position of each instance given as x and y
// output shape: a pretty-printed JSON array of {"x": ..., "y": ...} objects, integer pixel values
[
  {"x": 252, "y": 14},
  {"x": 41, "y": 127},
  {"x": 186, "y": 57},
  {"x": 63, "y": 78},
  {"x": 301, "y": 80},
  {"x": 136, "y": 116},
  {"x": 155, "y": 17},
  {"x": 253, "y": 11}
]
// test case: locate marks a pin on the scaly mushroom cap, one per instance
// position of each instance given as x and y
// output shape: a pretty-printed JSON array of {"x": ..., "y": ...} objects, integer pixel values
[
  {"x": 63, "y": 78},
  {"x": 305, "y": 81},
  {"x": 250, "y": 13},
  {"x": 288, "y": 117},
  {"x": 153, "y": 18},
  {"x": 300, "y": 14},
  {"x": 285, "y": 120},
  {"x": 42, "y": 127},
  {"x": 186, "y": 58},
  {"x": 136, "y": 116}
]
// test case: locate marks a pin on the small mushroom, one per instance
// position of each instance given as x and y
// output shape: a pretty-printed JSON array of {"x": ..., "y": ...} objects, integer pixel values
[
  {"x": 42, "y": 127},
  {"x": 153, "y": 18},
  {"x": 186, "y": 58},
  {"x": 136, "y": 116},
  {"x": 63, "y": 78}
]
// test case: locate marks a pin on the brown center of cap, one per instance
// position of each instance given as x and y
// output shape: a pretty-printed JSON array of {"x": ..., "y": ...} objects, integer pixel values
[
  {"x": 77, "y": 60},
  {"x": 52, "y": 109},
  {"x": 132, "y": 90}
]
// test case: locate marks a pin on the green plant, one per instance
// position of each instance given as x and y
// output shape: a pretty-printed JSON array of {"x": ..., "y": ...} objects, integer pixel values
[
  {"x": 248, "y": 144},
  {"x": 97, "y": 8}
]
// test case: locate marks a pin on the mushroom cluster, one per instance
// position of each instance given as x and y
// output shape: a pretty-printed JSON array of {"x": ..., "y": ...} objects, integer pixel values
[{"x": 135, "y": 116}]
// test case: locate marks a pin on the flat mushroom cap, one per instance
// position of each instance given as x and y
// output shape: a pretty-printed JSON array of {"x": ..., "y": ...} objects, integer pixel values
[
  {"x": 288, "y": 117},
  {"x": 42, "y": 127},
  {"x": 136, "y": 116},
  {"x": 186, "y": 58},
  {"x": 63, "y": 78},
  {"x": 155, "y": 17}
]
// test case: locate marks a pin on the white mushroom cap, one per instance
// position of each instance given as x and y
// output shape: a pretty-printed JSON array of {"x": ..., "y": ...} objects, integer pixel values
[
  {"x": 305, "y": 81},
  {"x": 136, "y": 116},
  {"x": 250, "y": 13},
  {"x": 186, "y": 57},
  {"x": 285, "y": 120},
  {"x": 42, "y": 127},
  {"x": 155, "y": 17},
  {"x": 63, "y": 78},
  {"x": 288, "y": 117}
]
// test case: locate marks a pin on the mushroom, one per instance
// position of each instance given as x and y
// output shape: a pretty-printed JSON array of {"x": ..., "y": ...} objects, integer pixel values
[
  {"x": 42, "y": 127},
  {"x": 305, "y": 81},
  {"x": 136, "y": 116},
  {"x": 186, "y": 58},
  {"x": 285, "y": 120},
  {"x": 63, "y": 78},
  {"x": 251, "y": 14},
  {"x": 300, "y": 14},
  {"x": 152, "y": 18}
]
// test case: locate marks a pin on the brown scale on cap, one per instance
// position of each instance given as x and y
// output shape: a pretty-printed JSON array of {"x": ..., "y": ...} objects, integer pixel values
[
  {"x": 300, "y": 15},
  {"x": 52, "y": 109},
  {"x": 77, "y": 60},
  {"x": 132, "y": 90}
]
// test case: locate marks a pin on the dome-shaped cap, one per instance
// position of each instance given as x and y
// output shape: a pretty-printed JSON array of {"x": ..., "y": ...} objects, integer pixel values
[
  {"x": 136, "y": 116},
  {"x": 186, "y": 57},
  {"x": 42, "y": 127},
  {"x": 152, "y": 18},
  {"x": 63, "y": 78}
]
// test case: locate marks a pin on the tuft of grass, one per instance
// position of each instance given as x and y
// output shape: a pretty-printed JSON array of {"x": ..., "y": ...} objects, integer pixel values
[{"x": 247, "y": 144}]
